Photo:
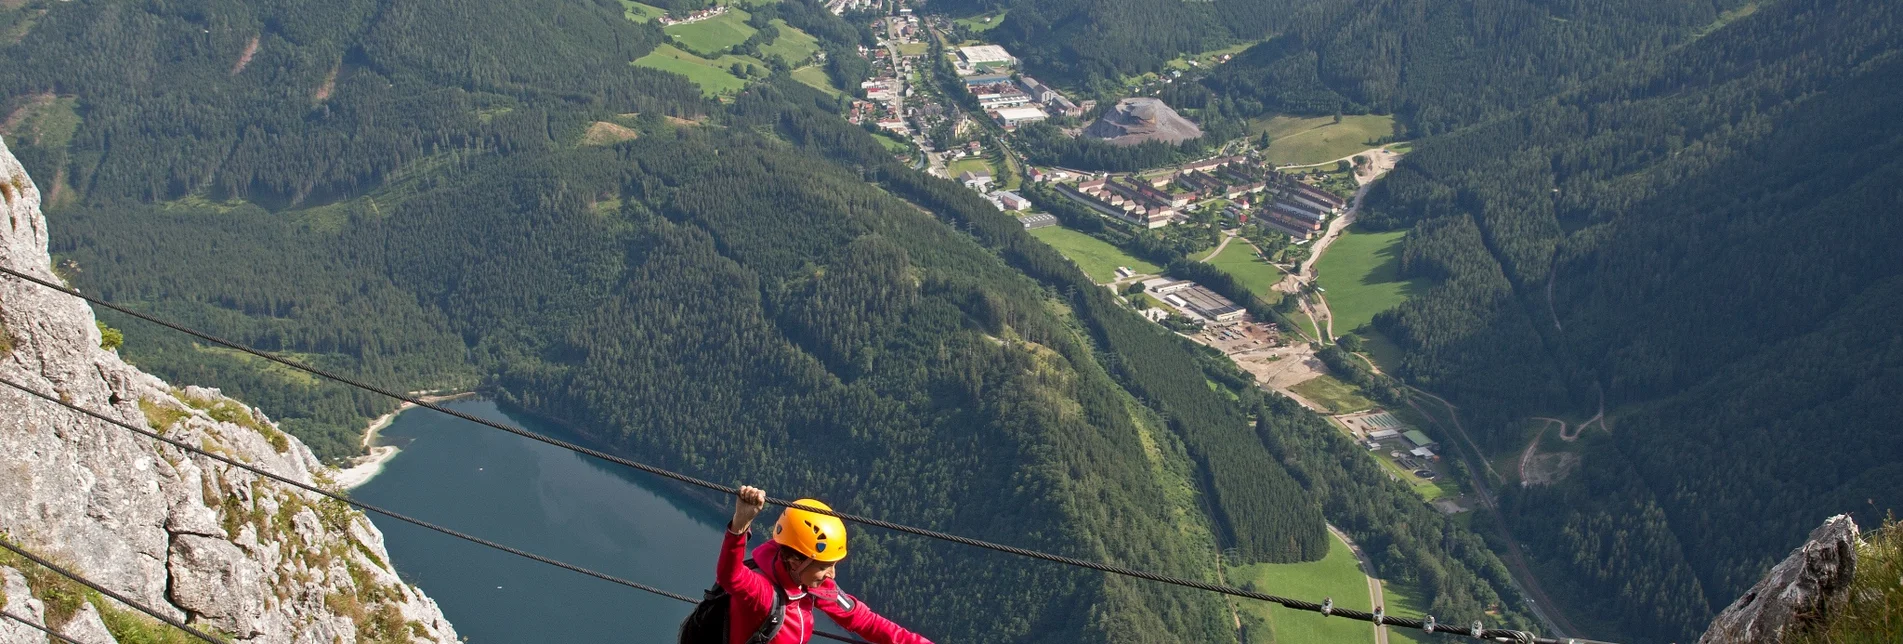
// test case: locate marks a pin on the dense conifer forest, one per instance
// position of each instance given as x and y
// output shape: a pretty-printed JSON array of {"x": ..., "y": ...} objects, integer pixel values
[
  {"x": 1437, "y": 64},
  {"x": 359, "y": 186},
  {"x": 1706, "y": 241},
  {"x": 1617, "y": 203}
]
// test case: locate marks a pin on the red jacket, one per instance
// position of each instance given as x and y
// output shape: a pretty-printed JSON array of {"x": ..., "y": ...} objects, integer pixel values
[{"x": 752, "y": 593}]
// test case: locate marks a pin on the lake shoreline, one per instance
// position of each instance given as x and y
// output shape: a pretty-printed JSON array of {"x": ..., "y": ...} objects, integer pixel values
[{"x": 366, "y": 467}]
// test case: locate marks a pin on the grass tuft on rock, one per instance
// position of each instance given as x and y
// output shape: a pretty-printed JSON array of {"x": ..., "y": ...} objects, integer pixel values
[{"x": 1874, "y": 611}]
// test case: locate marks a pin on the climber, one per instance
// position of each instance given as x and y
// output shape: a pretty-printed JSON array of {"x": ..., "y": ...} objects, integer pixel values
[{"x": 799, "y": 560}]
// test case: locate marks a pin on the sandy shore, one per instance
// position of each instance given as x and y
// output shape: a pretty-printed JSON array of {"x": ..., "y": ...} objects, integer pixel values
[{"x": 367, "y": 467}]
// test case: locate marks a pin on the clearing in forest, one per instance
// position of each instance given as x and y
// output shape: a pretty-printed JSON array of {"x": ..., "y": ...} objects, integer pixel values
[
  {"x": 1362, "y": 274},
  {"x": 637, "y": 12},
  {"x": 713, "y": 34},
  {"x": 46, "y": 121},
  {"x": 982, "y": 22},
  {"x": 792, "y": 45},
  {"x": 814, "y": 76},
  {"x": 892, "y": 143},
  {"x": 1096, "y": 257},
  {"x": 1240, "y": 261},
  {"x": 1295, "y": 140},
  {"x": 1339, "y": 397},
  {"x": 711, "y": 75},
  {"x": 605, "y": 133},
  {"x": 1336, "y": 576}
]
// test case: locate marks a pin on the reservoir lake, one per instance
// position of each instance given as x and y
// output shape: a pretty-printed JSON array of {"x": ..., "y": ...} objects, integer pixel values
[{"x": 549, "y": 501}]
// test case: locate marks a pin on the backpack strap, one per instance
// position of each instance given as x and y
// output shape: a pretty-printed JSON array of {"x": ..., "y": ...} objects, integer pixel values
[{"x": 775, "y": 618}]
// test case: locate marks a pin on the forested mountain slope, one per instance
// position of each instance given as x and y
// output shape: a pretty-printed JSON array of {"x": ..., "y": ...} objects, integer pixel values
[
  {"x": 286, "y": 101},
  {"x": 726, "y": 295},
  {"x": 114, "y": 106},
  {"x": 1439, "y": 64},
  {"x": 1715, "y": 227}
]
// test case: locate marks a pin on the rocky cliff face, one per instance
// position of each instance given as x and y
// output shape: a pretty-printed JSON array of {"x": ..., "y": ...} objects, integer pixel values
[
  {"x": 1798, "y": 593},
  {"x": 226, "y": 550}
]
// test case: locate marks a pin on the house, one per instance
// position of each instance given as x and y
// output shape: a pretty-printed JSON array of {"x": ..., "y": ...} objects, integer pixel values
[
  {"x": 1013, "y": 201},
  {"x": 1420, "y": 439},
  {"x": 975, "y": 179},
  {"x": 1384, "y": 433},
  {"x": 1424, "y": 453},
  {"x": 1014, "y": 117}
]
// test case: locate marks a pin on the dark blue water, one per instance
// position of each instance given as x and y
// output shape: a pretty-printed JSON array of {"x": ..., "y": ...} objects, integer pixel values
[{"x": 545, "y": 500}]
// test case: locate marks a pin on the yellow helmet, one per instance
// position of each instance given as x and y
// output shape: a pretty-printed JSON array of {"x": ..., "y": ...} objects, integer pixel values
[{"x": 815, "y": 535}]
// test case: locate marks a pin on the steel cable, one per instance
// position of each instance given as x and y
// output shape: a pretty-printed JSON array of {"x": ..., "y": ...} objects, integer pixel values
[
  {"x": 108, "y": 592},
  {"x": 39, "y": 628},
  {"x": 1297, "y": 604},
  {"x": 368, "y": 507}
]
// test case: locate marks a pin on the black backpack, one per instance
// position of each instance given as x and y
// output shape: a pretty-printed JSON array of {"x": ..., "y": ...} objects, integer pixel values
[{"x": 708, "y": 623}]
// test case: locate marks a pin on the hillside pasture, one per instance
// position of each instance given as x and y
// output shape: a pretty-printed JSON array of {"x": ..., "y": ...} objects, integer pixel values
[
  {"x": 1362, "y": 274},
  {"x": 982, "y": 22},
  {"x": 1336, "y": 576},
  {"x": 1240, "y": 261},
  {"x": 793, "y": 46},
  {"x": 1097, "y": 258},
  {"x": 711, "y": 75},
  {"x": 642, "y": 13},
  {"x": 713, "y": 34},
  {"x": 1339, "y": 397},
  {"x": 814, "y": 76},
  {"x": 1295, "y": 140}
]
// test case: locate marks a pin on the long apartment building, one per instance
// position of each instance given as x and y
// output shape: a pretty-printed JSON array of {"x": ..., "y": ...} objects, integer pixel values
[{"x": 1098, "y": 195}]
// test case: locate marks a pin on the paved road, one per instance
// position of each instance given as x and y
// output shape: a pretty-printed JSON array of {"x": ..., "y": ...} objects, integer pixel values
[
  {"x": 1225, "y": 244},
  {"x": 1374, "y": 584}
]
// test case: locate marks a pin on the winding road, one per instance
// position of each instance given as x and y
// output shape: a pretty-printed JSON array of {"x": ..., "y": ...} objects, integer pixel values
[
  {"x": 1522, "y": 575},
  {"x": 1374, "y": 583}
]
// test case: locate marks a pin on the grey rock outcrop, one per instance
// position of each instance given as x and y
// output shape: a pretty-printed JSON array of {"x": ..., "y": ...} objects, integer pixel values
[
  {"x": 212, "y": 544},
  {"x": 19, "y": 602},
  {"x": 1140, "y": 119},
  {"x": 1801, "y": 590}
]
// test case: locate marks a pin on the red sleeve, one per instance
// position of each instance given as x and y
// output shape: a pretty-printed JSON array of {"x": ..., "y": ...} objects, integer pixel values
[
  {"x": 733, "y": 575},
  {"x": 855, "y": 616}
]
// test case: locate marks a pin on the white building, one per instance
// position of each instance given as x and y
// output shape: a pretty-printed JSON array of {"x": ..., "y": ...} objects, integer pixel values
[
  {"x": 981, "y": 55},
  {"x": 1013, "y": 117},
  {"x": 1013, "y": 201}
]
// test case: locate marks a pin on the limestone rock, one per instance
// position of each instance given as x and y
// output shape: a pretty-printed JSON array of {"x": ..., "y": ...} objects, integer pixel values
[
  {"x": 214, "y": 580},
  {"x": 85, "y": 626},
  {"x": 20, "y": 601},
  {"x": 239, "y": 553},
  {"x": 1800, "y": 590}
]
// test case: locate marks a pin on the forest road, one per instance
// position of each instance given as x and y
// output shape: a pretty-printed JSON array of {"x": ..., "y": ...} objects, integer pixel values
[
  {"x": 1307, "y": 270},
  {"x": 1367, "y": 570},
  {"x": 1542, "y": 606},
  {"x": 1532, "y": 447}
]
